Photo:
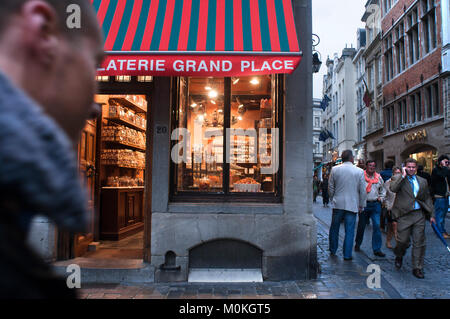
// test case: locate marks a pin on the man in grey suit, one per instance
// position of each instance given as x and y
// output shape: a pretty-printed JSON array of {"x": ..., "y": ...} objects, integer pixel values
[
  {"x": 347, "y": 191},
  {"x": 412, "y": 206}
]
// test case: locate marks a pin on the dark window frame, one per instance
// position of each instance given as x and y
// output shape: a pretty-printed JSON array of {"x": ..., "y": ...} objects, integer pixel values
[{"x": 227, "y": 196}]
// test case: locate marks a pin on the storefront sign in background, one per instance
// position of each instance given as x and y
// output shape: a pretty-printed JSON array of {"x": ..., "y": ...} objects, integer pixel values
[{"x": 185, "y": 65}]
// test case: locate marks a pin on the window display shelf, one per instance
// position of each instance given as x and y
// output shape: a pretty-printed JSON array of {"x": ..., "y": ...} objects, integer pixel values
[
  {"x": 122, "y": 165},
  {"x": 119, "y": 120},
  {"x": 127, "y": 145},
  {"x": 129, "y": 104}
]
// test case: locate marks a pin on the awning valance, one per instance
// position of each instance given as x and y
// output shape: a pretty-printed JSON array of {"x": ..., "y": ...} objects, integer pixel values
[{"x": 198, "y": 37}]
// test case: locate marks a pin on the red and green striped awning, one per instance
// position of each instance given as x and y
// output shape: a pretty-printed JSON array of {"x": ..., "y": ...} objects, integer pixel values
[{"x": 198, "y": 37}]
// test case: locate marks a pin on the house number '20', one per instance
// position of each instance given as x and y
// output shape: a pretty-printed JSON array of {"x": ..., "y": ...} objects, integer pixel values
[{"x": 161, "y": 129}]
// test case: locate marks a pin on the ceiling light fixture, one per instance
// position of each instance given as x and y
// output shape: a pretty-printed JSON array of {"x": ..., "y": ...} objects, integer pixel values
[
  {"x": 254, "y": 81},
  {"x": 212, "y": 94}
]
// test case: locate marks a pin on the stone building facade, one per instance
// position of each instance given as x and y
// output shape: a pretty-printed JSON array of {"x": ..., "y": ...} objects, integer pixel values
[
  {"x": 373, "y": 58},
  {"x": 412, "y": 81},
  {"x": 445, "y": 11},
  {"x": 340, "y": 116},
  {"x": 360, "y": 146}
]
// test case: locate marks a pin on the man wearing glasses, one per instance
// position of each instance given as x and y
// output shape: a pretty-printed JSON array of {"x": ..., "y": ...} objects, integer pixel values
[{"x": 440, "y": 181}]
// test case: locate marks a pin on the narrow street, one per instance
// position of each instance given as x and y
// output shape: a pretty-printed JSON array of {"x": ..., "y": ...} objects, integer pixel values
[
  {"x": 338, "y": 278},
  {"x": 437, "y": 262}
]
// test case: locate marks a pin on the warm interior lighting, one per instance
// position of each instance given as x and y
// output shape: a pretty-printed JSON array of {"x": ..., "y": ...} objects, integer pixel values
[
  {"x": 213, "y": 102},
  {"x": 254, "y": 81},
  {"x": 235, "y": 81},
  {"x": 212, "y": 94},
  {"x": 208, "y": 88}
]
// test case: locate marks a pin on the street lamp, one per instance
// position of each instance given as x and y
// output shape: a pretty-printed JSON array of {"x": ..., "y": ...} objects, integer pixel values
[
  {"x": 316, "y": 59},
  {"x": 316, "y": 63}
]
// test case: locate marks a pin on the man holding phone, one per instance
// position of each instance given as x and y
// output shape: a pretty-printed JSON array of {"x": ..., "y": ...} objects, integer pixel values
[{"x": 412, "y": 206}]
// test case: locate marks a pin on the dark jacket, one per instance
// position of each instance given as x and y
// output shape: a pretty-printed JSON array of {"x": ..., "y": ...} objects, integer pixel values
[
  {"x": 38, "y": 175},
  {"x": 440, "y": 180},
  {"x": 425, "y": 175},
  {"x": 386, "y": 174},
  {"x": 404, "y": 198}
]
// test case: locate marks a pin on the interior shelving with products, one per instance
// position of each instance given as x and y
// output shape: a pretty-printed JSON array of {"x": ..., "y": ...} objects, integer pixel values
[
  {"x": 122, "y": 164},
  {"x": 247, "y": 110}
]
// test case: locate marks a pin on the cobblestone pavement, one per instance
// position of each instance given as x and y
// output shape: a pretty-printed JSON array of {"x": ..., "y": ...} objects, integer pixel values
[
  {"x": 338, "y": 279},
  {"x": 437, "y": 262}
]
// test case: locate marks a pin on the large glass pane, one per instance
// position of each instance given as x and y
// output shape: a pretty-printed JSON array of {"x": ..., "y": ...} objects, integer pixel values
[
  {"x": 253, "y": 137},
  {"x": 198, "y": 152}
]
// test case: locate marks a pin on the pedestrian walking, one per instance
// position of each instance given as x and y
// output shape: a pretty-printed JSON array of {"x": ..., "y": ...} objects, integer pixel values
[
  {"x": 388, "y": 171},
  {"x": 423, "y": 174},
  {"x": 316, "y": 187},
  {"x": 324, "y": 188},
  {"x": 412, "y": 206},
  {"x": 361, "y": 164},
  {"x": 440, "y": 181},
  {"x": 388, "y": 203},
  {"x": 385, "y": 175},
  {"x": 47, "y": 84},
  {"x": 347, "y": 191},
  {"x": 374, "y": 187}
]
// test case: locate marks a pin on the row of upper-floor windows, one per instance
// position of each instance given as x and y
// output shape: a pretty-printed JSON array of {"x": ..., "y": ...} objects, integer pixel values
[
  {"x": 361, "y": 127},
  {"x": 388, "y": 4},
  {"x": 416, "y": 107},
  {"x": 402, "y": 45}
]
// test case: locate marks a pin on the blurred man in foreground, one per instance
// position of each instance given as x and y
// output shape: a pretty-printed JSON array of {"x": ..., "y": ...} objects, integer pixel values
[{"x": 47, "y": 83}]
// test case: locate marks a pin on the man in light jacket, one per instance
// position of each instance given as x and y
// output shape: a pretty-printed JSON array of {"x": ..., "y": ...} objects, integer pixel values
[
  {"x": 375, "y": 195},
  {"x": 348, "y": 194}
]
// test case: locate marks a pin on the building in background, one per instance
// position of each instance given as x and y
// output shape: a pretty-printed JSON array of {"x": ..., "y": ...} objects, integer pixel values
[
  {"x": 412, "y": 85},
  {"x": 360, "y": 88},
  {"x": 317, "y": 144},
  {"x": 445, "y": 11},
  {"x": 340, "y": 116},
  {"x": 374, "y": 79},
  {"x": 327, "y": 114}
]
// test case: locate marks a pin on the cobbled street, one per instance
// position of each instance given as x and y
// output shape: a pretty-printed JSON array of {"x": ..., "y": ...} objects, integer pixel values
[{"x": 337, "y": 279}]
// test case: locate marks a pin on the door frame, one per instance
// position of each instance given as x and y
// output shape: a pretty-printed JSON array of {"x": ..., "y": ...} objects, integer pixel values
[{"x": 65, "y": 246}]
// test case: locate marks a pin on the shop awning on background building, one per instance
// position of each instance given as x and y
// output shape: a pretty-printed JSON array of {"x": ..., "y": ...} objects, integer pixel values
[{"x": 198, "y": 37}]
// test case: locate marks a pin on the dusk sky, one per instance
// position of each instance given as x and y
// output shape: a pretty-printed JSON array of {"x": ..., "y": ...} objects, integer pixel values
[{"x": 335, "y": 22}]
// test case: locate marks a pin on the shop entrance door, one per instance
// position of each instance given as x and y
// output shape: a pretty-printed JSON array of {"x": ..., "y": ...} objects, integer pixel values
[{"x": 88, "y": 171}]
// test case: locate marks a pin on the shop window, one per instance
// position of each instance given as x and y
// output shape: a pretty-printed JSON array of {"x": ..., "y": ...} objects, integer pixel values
[
  {"x": 388, "y": 58},
  {"x": 123, "y": 78},
  {"x": 102, "y": 78},
  {"x": 413, "y": 105},
  {"x": 400, "y": 48},
  {"x": 426, "y": 159},
  {"x": 145, "y": 78},
  {"x": 429, "y": 24},
  {"x": 413, "y": 36},
  {"x": 436, "y": 106},
  {"x": 225, "y": 137},
  {"x": 432, "y": 100}
]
